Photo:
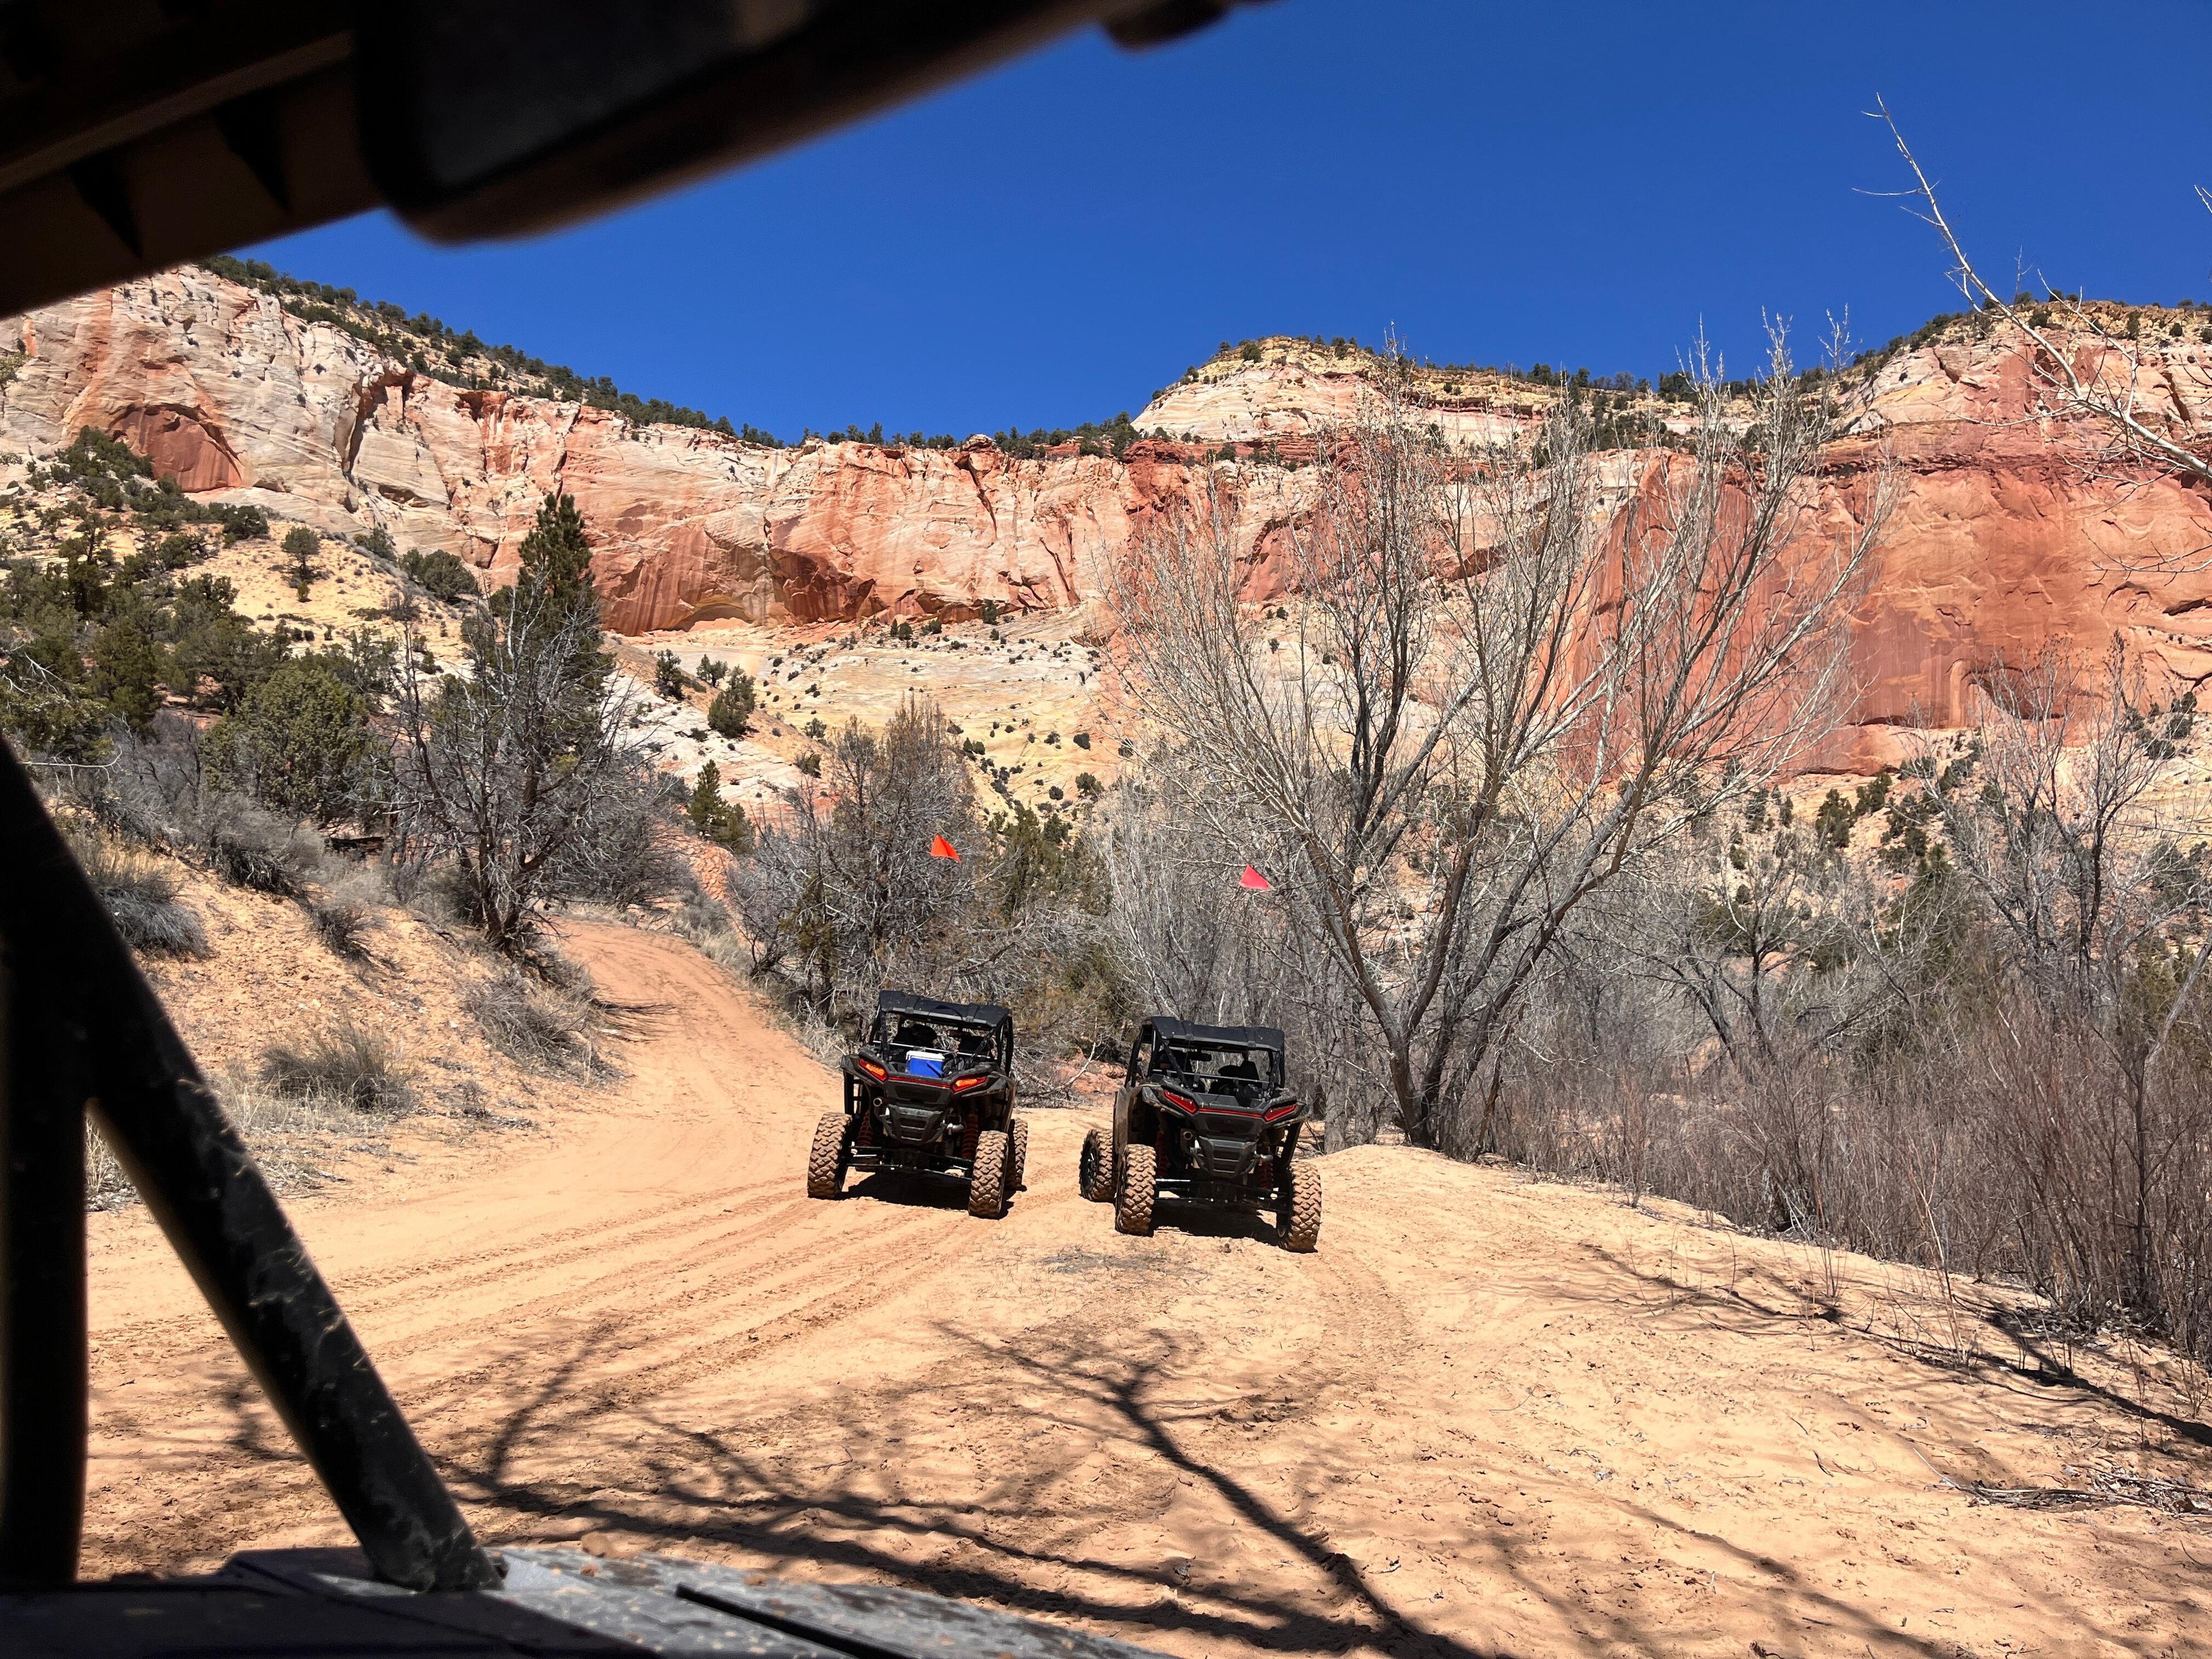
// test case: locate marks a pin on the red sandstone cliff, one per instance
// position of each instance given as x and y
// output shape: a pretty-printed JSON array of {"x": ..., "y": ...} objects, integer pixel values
[
  {"x": 2006, "y": 542},
  {"x": 218, "y": 384}
]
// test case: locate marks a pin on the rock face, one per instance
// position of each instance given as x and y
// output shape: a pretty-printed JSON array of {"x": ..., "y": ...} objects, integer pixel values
[
  {"x": 2007, "y": 542},
  {"x": 218, "y": 384},
  {"x": 2011, "y": 540}
]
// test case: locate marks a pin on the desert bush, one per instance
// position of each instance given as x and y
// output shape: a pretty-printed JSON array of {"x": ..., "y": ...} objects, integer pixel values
[
  {"x": 300, "y": 546},
  {"x": 669, "y": 679},
  {"x": 105, "y": 1186},
  {"x": 249, "y": 845},
  {"x": 300, "y": 742},
  {"x": 1980, "y": 1045},
  {"x": 344, "y": 925},
  {"x": 724, "y": 822},
  {"x": 343, "y": 1062},
  {"x": 140, "y": 893},
  {"x": 537, "y": 1021},
  {"x": 732, "y": 711},
  {"x": 440, "y": 575},
  {"x": 158, "y": 792}
]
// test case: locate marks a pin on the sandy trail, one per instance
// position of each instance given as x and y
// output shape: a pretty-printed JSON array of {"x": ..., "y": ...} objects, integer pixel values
[{"x": 1488, "y": 1416}]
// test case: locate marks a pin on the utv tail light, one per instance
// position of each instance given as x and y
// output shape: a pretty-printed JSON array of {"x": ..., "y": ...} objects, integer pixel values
[
  {"x": 961, "y": 1085},
  {"x": 1175, "y": 1099},
  {"x": 1281, "y": 1111},
  {"x": 874, "y": 1070}
]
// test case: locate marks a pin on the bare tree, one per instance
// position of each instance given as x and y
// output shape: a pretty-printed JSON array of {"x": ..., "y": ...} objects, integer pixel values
[
  {"x": 1188, "y": 939},
  {"x": 2100, "y": 880},
  {"x": 844, "y": 884},
  {"x": 519, "y": 767},
  {"x": 1785, "y": 943},
  {"x": 1499, "y": 690}
]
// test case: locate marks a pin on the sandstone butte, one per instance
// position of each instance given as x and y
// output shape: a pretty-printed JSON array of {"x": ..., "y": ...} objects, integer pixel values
[{"x": 2006, "y": 541}]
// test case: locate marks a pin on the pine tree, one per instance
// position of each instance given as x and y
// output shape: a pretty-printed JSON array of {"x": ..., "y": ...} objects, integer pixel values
[
  {"x": 705, "y": 806},
  {"x": 723, "y": 822},
  {"x": 556, "y": 556}
]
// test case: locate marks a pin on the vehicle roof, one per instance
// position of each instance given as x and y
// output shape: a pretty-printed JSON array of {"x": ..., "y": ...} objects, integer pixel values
[
  {"x": 1226, "y": 1036},
  {"x": 990, "y": 1014}
]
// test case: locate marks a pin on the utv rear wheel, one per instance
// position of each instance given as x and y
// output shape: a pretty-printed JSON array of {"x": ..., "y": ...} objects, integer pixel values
[
  {"x": 986, "y": 1181},
  {"x": 825, "y": 1162},
  {"x": 1132, "y": 1205},
  {"x": 1297, "y": 1211},
  {"x": 1018, "y": 1179},
  {"x": 1094, "y": 1173}
]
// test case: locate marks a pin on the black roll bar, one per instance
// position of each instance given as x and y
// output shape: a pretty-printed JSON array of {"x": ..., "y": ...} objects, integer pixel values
[{"x": 82, "y": 1032}]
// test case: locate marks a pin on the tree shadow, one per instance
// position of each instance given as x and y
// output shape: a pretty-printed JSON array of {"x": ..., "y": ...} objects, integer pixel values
[
  {"x": 1990, "y": 1368},
  {"x": 1033, "y": 1536}
]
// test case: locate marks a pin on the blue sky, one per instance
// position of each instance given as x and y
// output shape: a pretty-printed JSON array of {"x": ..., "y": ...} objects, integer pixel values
[{"x": 1576, "y": 183}]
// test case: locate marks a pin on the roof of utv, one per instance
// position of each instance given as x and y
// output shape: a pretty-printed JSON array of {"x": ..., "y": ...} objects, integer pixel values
[
  {"x": 964, "y": 1013},
  {"x": 1226, "y": 1036}
]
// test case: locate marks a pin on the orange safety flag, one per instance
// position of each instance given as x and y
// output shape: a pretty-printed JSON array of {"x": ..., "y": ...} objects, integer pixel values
[
  {"x": 1253, "y": 881},
  {"x": 942, "y": 849}
]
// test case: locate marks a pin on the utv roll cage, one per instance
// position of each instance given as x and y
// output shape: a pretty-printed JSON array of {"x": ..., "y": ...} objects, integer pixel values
[
  {"x": 1161, "y": 1041},
  {"x": 895, "y": 1009}
]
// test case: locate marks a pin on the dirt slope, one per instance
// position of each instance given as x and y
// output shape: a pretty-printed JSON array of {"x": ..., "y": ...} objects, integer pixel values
[{"x": 1488, "y": 1416}]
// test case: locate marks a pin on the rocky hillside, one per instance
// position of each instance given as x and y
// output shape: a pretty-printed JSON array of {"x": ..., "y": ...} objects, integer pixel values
[{"x": 2007, "y": 542}]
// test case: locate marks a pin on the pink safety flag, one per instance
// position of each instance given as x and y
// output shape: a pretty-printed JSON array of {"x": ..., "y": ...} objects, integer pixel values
[
  {"x": 1252, "y": 881},
  {"x": 942, "y": 849}
]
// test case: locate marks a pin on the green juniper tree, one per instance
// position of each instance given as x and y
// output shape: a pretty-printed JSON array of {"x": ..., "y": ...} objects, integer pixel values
[
  {"x": 732, "y": 711},
  {"x": 299, "y": 549},
  {"x": 722, "y": 821}
]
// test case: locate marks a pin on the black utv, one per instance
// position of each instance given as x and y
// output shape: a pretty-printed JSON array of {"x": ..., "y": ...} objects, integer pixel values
[
  {"x": 932, "y": 1090},
  {"x": 1203, "y": 1116}
]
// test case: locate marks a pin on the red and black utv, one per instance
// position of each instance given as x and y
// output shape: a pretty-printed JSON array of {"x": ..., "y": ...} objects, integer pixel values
[
  {"x": 932, "y": 1090},
  {"x": 1203, "y": 1116}
]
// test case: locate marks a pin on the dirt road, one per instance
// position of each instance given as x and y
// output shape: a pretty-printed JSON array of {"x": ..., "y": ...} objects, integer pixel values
[{"x": 1488, "y": 1416}]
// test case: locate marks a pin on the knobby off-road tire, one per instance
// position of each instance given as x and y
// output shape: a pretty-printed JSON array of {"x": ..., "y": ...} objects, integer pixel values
[
  {"x": 1019, "y": 1130},
  {"x": 825, "y": 1161},
  {"x": 986, "y": 1182},
  {"x": 1297, "y": 1211},
  {"x": 1132, "y": 1205},
  {"x": 1094, "y": 1171}
]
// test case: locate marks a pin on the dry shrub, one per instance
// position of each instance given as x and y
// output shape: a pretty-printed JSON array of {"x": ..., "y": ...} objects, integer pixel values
[
  {"x": 342, "y": 1063},
  {"x": 140, "y": 892},
  {"x": 537, "y": 1022},
  {"x": 291, "y": 1136},
  {"x": 250, "y": 847},
  {"x": 105, "y": 1186},
  {"x": 1997, "y": 1143},
  {"x": 343, "y": 926},
  {"x": 344, "y": 911}
]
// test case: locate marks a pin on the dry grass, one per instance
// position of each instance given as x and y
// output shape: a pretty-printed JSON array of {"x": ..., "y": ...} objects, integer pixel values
[
  {"x": 345, "y": 1063},
  {"x": 538, "y": 1023},
  {"x": 293, "y": 1137},
  {"x": 344, "y": 925},
  {"x": 139, "y": 891}
]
